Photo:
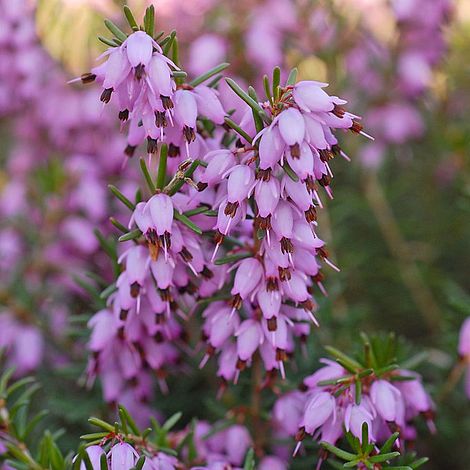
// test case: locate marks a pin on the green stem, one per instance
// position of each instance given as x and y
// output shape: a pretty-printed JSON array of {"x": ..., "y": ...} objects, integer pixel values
[{"x": 161, "y": 175}]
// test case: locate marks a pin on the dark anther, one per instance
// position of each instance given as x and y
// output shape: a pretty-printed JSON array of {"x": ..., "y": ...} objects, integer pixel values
[
  {"x": 88, "y": 77},
  {"x": 124, "y": 115},
  {"x": 106, "y": 95}
]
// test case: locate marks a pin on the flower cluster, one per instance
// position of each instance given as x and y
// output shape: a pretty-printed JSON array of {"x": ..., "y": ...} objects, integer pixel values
[
  {"x": 20, "y": 56},
  {"x": 139, "y": 332},
  {"x": 267, "y": 198},
  {"x": 63, "y": 151},
  {"x": 340, "y": 398},
  {"x": 142, "y": 78},
  {"x": 393, "y": 109},
  {"x": 122, "y": 456},
  {"x": 209, "y": 449}
]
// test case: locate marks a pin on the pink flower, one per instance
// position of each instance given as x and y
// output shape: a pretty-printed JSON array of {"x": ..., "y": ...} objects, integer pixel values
[
  {"x": 205, "y": 52},
  {"x": 354, "y": 418},
  {"x": 464, "y": 339},
  {"x": 317, "y": 411},
  {"x": 249, "y": 336},
  {"x": 161, "y": 213},
  {"x": 122, "y": 456},
  {"x": 386, "y": 399},
  {"x": 237, "y": 442},
  {"x": 247, "y": 278},
  {"x": 311, "y": 97},
  {"x": 139, "y": 47},
  {"x": 292, "y": 127},
  {"x": 94, "y": 452}
]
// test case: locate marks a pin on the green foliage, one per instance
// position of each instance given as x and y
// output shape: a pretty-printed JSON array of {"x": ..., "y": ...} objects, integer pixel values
[{"x": 365, "y": 454}]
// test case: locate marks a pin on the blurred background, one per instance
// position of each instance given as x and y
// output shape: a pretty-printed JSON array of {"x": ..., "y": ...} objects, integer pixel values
[{"x": 399, "y": 226}]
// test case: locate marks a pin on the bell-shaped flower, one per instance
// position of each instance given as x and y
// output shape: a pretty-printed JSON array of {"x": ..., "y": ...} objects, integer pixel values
[
  {"x": 159, "y": 76},
  {"x": 304, "y": 237},
  {"x": 219, "y": 161},
  {"x": 267, "y": 194},
  {"x": 123, "y": 456},
  {"x": 282, "y": 220},
  {"x": 240, "y": 183},
  {"x": 318, "y": 410},
  {"x": 162, "y": 271},
  {"x": 288, "y": 411},
  {"x": 272, "y": 463},
  {"x": 186, "y": 112},
  {"x": 304, "y": 163},
  {"x": 354, "y": 418},
  {"x": 161, "y": 212},
  {"x": 311, "y": 98},
  {"x": 269, "y": 302},
  {"x": 332, "y": 370},
  {"x": 298, "y": 192},
  {"x": 137, "y": 261},
  {"x": 104, "y": 327},
  {"x": 414, "y": 394},
  {"x": 292, "y": 126},
  {"x": 208, "y": 104},
  {"x": 385, "y": 398},
  {"x": 247, "y": 277},
  {"x": 117, "y": 68},
  {"x": 237, "y": 442},
  {"x": 305, "y": 261},
  {"x": 271, "y": 147},
  {"x": 139, "y": 48},
  {"x": 297, "y": 288},
  {"x": 314, "y": 134},
  {"x": 249, "y": 337},
  {"x": 94, "y": 453},
  {"x": 227, "y": 362},
  {"x": 222, "y": 326}
]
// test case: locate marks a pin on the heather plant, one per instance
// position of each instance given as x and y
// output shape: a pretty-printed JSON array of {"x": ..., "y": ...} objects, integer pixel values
[{"x": 203, "y": 287}]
